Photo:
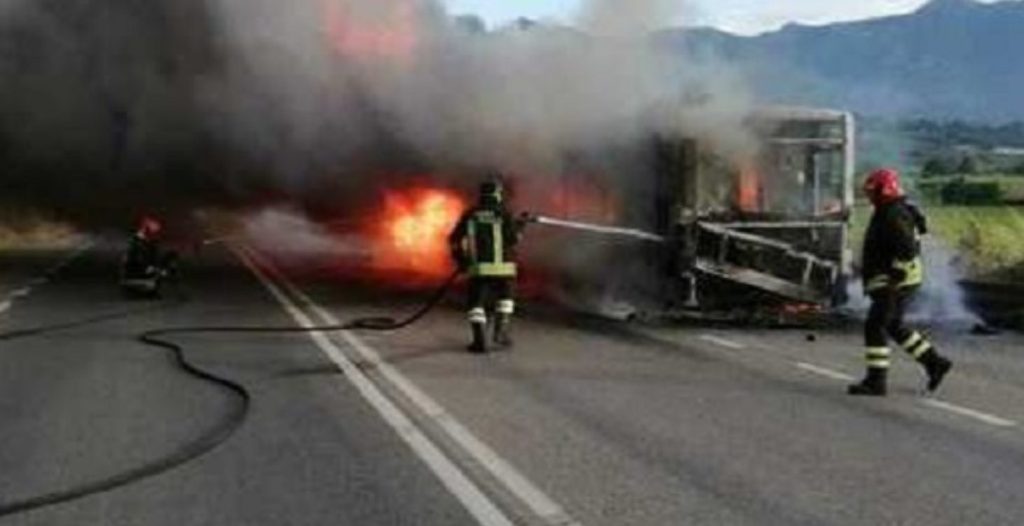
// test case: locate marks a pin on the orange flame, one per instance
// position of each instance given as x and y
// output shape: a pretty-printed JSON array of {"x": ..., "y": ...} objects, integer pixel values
[
  {"x": 749, "y": 190},
  {"x": 394, "y": 36},
  {"x": 584, "y": 200},
  {"x": 413, "y": 236}
]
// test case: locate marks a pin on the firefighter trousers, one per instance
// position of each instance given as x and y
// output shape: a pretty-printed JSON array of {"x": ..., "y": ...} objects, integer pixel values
[
  {"x": 885, "y": 319},
  {"x": 487, "y": 293}
]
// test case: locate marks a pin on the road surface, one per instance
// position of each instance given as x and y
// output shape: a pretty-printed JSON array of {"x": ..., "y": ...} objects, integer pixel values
[{"x": 587, "y": 421}]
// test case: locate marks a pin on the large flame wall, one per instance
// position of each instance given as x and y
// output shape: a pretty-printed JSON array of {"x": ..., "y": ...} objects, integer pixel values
[{"x": 411, "y": 234}]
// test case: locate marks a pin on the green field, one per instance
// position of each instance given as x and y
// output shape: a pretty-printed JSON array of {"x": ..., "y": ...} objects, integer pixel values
[
  {"x": 1012, "y": 185},
  {"x": 989, "y": 240}
]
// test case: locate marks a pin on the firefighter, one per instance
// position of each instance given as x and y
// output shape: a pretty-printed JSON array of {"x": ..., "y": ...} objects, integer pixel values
[
  {"x": 483, "y": 245},
  {"x": 893, "y": 273},
  {"x": 145, "y": 265},
  {"x": 144, "y": 248}
]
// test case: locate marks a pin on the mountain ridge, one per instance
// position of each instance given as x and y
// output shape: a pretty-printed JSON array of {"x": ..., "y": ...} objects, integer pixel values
[{"x": 950, "y": 59}]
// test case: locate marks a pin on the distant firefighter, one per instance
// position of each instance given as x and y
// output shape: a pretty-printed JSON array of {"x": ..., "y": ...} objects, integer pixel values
[
  {"x": 145, "y": 265},
  {"x": 483, "y": 245},
  {"x": 893, "y": 272}
]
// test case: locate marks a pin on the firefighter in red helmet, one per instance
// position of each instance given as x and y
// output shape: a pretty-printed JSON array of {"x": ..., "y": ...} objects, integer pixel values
[
  {"x": 149, "y": 229},
  {"x": 893, "y": 272},
  {"x": 145, "y": 265}
]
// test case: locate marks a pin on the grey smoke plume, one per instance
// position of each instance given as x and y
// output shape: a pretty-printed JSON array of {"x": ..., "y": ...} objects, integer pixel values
[
  {"x": 941, "y": 302},
  {"x": 112, "y": 107},
  {"x": 633, "y": 18},
  {"x": 942, "y": 298}
]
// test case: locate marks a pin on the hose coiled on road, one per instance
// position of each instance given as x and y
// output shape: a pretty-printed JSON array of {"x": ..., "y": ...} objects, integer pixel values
[{"x": 219, "y": 434}]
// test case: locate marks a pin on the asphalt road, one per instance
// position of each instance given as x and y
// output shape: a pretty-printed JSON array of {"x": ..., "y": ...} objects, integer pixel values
[{"x": 586, "y": 421}]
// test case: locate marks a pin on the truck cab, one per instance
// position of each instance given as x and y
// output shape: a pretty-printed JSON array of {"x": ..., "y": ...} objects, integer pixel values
[{"x": 771, "y": 227}]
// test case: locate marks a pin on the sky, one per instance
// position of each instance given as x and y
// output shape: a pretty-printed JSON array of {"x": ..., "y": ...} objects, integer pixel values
[{"x": 738, "y": 16}]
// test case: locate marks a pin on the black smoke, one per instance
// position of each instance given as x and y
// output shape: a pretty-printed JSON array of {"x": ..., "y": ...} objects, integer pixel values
[{"x": 112, "y": 108}]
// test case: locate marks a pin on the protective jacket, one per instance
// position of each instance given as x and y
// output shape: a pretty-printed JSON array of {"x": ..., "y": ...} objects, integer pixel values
[
  {"x": 484, "y": 242},
  {"x": 142, "y": 257},
  {"x": 892, "y": 247}
]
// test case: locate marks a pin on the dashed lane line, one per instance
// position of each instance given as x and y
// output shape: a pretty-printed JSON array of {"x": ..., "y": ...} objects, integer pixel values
[
  {"x": 981, "y": 416},
  {"x": 539, "y": 503},
  {"x": 26, "y": 291},
  {"x": 469, "y": 494},
  {"x": 827, "y": 373},
  {"x": 722, "y": 342}
]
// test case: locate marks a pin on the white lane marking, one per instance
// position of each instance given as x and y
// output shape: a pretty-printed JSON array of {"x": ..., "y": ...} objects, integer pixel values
[
  {"x": 970, "y": 413},
  {"x": 722, "y": 342},
  {"x": 26, "y": 291},
  {"x": 518, "y": 484},
  {"x": 827, "y": 373},
  {"x": 937, "y": 404},
  {"x": 454, "y": 479}
]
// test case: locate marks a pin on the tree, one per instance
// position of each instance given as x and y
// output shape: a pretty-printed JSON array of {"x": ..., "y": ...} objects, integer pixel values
[
  {"x": 968, "y": 166},
  {"x": 934, "y": 167}
]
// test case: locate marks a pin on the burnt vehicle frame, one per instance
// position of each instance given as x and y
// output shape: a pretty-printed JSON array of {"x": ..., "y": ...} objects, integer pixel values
[{"x": 766, "y": 231}]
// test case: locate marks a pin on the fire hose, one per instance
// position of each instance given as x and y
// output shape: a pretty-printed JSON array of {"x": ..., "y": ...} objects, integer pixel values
[
  {"x": 219, "y": 434},
  {"x": 598, "y": 229}
]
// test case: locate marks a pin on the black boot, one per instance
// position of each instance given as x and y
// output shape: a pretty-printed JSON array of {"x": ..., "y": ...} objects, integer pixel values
[
  {"x": 479, "y": 344},
  {"x": 936, "y": 366},
  {"x": 874, "y": 384},
  {"x": 501, "y": 334}
]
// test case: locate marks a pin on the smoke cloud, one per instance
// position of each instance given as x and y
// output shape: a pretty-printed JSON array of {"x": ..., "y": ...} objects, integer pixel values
[
  {"x": 110, "y": 108},
  {"x": 634, "y": 18}
]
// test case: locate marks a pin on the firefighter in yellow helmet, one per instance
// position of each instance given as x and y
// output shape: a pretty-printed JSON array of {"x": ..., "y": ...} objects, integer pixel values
[
  {"x": 893, "y": 273},
  {"x": 483, "y": 245}
]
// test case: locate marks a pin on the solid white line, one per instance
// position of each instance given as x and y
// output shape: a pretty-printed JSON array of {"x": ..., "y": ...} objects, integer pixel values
[
  {"x": 518, "y": 484},
  {"x": 20, "y": 293},
  {"x": 466, "y": 491},
  {"x": 970, "y": 413},
  {"x": 728, "y": 344},
  {"x": 5, "y": 306},
  {"x": 827, "y": 373}
]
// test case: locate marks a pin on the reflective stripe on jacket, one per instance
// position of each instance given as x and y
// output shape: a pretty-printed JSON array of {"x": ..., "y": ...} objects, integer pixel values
[
  {"x": 912, "y": 272},
  {"x": 487, "y": 239},
  {"x": 892, "y": 247}
]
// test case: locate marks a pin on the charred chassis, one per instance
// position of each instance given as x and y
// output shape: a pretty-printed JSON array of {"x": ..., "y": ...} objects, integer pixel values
[{"x": 768, "y": 231}]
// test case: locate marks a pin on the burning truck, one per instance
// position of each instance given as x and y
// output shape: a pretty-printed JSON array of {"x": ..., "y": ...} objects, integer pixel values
[
  {"x": 714, "y": 229},
  {"x": 769, "y": 231},
  {"x": 772, "y": 229}
]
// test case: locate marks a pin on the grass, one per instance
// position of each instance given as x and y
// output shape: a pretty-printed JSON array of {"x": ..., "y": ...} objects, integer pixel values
[
  {"x": 989, "y": 240},
  {"x": 1011, "y": 185}
]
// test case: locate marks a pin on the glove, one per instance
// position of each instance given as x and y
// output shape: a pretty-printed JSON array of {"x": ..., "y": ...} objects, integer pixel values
[{"x": 525, "y": 219}]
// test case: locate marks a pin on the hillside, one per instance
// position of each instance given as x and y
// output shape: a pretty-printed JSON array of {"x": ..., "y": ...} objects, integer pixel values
[{"x": 951, "y": 59}]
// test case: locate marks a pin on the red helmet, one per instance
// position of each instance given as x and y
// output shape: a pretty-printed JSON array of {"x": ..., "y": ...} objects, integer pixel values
[
  {"x": 883, "y": 186},
  {"x": 150, "y": 228}
]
